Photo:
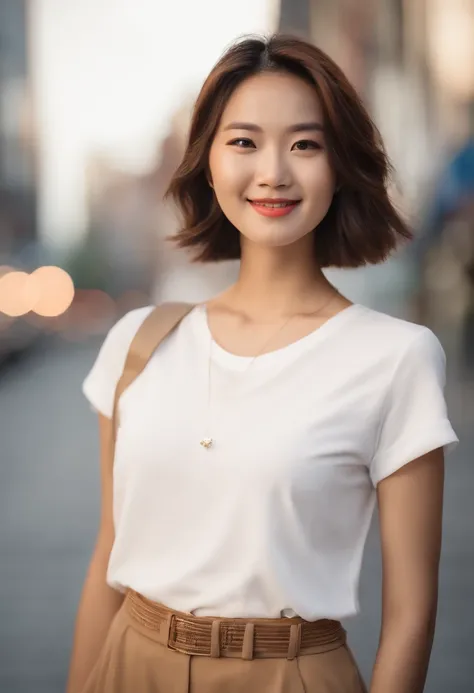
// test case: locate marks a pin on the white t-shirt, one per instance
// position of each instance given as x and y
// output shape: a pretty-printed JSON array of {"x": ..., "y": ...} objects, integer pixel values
[{"x": 272, "y": 520}]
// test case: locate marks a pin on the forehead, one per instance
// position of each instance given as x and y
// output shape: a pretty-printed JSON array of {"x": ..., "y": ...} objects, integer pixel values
[{"x": 272, "y": 99}]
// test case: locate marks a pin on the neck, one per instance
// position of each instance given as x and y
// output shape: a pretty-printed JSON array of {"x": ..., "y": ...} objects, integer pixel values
[{"x": 274, "y": 282}]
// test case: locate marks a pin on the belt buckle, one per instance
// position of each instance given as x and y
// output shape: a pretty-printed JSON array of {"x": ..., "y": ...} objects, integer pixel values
[
  {"x": 172, "y": 637},
  {"x": 183, "y": 649}
]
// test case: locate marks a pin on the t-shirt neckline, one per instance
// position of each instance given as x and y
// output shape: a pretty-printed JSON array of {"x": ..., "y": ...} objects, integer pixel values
[{"x": 237, "y": 362}]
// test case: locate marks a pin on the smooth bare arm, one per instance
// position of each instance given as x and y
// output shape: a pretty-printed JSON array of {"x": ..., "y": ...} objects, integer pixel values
[
  {"x": 410, "y": 509},
  {"x": 99, "y": 603}
]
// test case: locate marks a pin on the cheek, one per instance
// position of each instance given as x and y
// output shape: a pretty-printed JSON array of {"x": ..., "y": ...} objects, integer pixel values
[
  {"x": 229, "y": 175},
  {"x": 319, "y": 182}
]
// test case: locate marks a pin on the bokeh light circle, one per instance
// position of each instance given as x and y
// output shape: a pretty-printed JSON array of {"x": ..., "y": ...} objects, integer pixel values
[
  {"x": 17, "y": 294},
  {"x": 54, "y": 289}
]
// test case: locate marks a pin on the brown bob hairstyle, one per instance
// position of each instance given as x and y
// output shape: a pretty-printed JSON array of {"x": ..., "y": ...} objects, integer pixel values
[{"x": 361, "y": 226}]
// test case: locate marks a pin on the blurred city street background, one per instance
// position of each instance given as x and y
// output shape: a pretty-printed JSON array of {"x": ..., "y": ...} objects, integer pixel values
[{"x": 95, "y": 98}]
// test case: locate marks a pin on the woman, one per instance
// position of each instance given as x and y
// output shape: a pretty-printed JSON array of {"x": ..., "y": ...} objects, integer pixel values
[{"x": 253, "y": 446}]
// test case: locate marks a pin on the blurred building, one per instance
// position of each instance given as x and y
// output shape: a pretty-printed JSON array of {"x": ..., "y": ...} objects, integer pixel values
[
  {"x": 17, "y": 171},
  {"x": 18, "y": 218}
]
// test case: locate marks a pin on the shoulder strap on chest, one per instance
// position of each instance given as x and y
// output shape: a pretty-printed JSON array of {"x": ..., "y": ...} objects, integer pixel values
[{"x": 157, "y": 325}]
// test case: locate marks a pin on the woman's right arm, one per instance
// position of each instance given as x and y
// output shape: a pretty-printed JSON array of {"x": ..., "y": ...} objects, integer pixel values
[{"x": 99, "y": 603}]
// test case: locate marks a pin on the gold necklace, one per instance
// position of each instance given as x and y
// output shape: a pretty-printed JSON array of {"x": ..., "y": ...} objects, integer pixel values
[{"x": 208, "y": 441}]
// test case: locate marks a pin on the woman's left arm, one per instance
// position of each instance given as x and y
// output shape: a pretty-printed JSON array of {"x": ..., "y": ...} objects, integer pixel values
[{"x": 410, "y": 511}]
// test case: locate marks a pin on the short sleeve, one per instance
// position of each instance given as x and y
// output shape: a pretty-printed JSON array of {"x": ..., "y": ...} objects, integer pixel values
[
  {"x": 414, "y": 418},
  {"x": 100, "y": 384}
]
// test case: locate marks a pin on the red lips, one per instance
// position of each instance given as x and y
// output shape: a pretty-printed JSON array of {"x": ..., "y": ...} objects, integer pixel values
[{"x": 274, "y": 206}]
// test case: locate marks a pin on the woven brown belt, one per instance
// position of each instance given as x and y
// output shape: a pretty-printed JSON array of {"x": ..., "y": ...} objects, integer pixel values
[{"x": 229, "y": 637}]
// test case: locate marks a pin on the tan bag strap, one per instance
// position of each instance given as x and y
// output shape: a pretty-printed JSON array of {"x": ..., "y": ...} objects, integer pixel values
[{"x": 157, "y": 325}]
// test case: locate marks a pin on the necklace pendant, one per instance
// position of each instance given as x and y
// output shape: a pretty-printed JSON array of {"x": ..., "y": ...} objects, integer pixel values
[{"x": 206, "y": 443}]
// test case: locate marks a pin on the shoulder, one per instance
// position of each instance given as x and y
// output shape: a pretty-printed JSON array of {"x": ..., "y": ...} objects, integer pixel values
[
  {"x": 127, "y": 326},
  {"x": 394, "y": 339},
  {"x": 118, "y": 339},
  {"x": 121, "y": 335}
]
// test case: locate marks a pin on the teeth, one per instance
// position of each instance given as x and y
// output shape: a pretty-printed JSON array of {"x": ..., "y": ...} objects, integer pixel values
[{"x": 275, "y": 204}]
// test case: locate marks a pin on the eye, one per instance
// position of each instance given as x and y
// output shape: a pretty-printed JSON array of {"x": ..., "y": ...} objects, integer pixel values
[
  {"x": 242, "y": 143},
  {"x": 304, "y": 145}
]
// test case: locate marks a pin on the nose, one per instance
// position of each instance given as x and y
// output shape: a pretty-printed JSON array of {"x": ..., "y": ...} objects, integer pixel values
[{"x": 273, "y": 170}]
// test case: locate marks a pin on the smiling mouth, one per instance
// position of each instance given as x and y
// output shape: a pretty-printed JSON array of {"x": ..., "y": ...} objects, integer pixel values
[{"x": 274, "y": 208}]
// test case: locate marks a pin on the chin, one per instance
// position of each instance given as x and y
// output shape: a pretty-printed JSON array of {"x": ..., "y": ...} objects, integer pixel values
[{"x": 275, "y": 240}]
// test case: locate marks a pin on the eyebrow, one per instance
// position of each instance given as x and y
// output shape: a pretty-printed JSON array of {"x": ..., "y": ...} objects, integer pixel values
[{"x": 298, "y": 127}]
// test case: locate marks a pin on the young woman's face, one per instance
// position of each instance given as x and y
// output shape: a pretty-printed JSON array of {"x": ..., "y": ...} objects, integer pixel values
[{"x": 268, "y": 161}]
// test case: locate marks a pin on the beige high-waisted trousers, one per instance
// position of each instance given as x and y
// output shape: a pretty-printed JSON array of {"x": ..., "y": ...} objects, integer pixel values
[{"x": 152, "y": 649}]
